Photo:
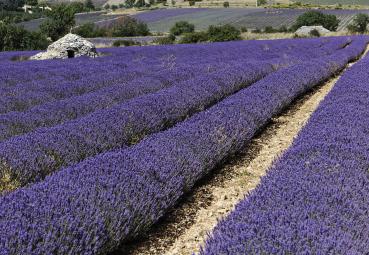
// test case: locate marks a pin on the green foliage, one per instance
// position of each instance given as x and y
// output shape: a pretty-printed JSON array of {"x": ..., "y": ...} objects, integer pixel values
[
  {"x": 165, "y": 40},
  {"x": 226, "y": 4},
  {"x": 213, "y": 34},
  {"x": 314, "y": 33},
  {"x": 16, "y": 16},
  {"x": 283, "y": 29},
  {"x": 223, "y": 33},
  {"x": 126, "y": 43},
  {"x": 60, "y": 20},
  {"x": 191, "y": 2},
  {"x": 114, "y": 7},
  {"x": 11, "y": 5},
  {"x": 89, "y": 5},
  {"x": 129, "y": 3},
  {"x": 89, "y": 30},
  {"x": 123, "y": 26},
  {"x": 128, "y": 26},
  {"x": 182, "y": 27},
  {"x": 313, "y": 18},
  {"x": 359, "y": 24},
  {"x": 243, "y": 29},
  {"x": 269, "y": 29},
  {"x": 31, "y": 2},
  {"x": 262, "y": 2},
  {"x": 194, "y": 37},
  {"x": 17, "y": 38},
  {"x": 77, "y": 7},
  {"x": 107, "y": 7}
]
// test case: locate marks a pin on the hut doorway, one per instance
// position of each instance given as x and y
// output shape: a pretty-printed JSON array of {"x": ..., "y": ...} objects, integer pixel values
[{"x": 70, "y": 53}]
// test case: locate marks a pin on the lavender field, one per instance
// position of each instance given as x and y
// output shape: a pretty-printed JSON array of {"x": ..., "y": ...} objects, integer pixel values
[
  {"x": 163, "y": 20},
  {"x": 94, "y": 153}
]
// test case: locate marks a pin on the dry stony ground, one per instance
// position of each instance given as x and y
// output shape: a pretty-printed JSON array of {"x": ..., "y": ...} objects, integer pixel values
[{"x": 185, "y": 228}]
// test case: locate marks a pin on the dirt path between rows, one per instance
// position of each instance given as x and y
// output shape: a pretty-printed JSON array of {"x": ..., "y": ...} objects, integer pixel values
[{"x": 185, "y": 228}]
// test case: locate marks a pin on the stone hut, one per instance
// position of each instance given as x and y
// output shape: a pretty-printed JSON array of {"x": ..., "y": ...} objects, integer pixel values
[
  {"x": 305, "y": 31},
  {"x": 70, "y": 46}
]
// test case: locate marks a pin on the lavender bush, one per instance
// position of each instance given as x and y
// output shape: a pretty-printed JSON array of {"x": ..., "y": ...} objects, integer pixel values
[
  {"x": 94, "y": 206},
  {"x": 315, "y": 199}
]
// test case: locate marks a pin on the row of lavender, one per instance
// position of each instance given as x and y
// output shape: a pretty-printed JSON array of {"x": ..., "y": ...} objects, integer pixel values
[
  {"x": 94, "y": 206},
  {"x": 55, "y": 112},
  {"x": 315, "y": 199},
  {"x": 34, "y": 155},
  {"x": 30, "y": 83}
]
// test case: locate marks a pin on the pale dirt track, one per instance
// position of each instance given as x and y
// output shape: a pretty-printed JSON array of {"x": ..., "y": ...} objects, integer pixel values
[{"x": 185, "y": 228}]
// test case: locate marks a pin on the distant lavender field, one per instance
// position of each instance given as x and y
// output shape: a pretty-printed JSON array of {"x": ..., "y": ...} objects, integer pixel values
[{"x": 163, "y": 20}]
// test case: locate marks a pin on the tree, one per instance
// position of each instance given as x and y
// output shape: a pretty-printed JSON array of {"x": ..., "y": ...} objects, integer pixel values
[
  {"x": 182, "y": 27},
  {"x": 194, "y": 37},
  {"x": 128, "y": 26},
  {"x": 60, "y": 20},
  {"x": 17, "y": 38},
  {"x": 226, "y": 4},
  {"x": 359, "y": 24},
  {"x": 314, "y": 18},
  {"x": 223, "y": 33},
  {"x": 89, "y": 5},
  {"x": 76, "y": 7}
]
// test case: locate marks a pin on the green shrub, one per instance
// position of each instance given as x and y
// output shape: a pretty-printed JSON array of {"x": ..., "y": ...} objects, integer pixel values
[
  {"x": 89, "y": 30},
  {"x": 269, "y": 29},
  {"x": 194, "y": 37},
  {"x": 223, "y": 33},
  {"x": 283, "y": 29},
  {"x": 191, "y": 2},
  {"x": 114, "y": 7},
  {"x": 226, "y": 4},
  {"x": 170, "y": 39},
  {"x": 89, "y": 5},
  {"x": 359, "y": 24},
  {"x": 243, "y": 29},
  {"x": 182, "y": 27},
  {"x": 313, "y": 18},
  {"x": 128, "y": 26}
]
